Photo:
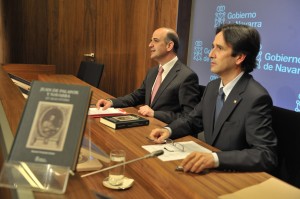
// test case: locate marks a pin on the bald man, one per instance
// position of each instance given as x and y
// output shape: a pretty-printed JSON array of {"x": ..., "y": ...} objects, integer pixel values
[{"x": 165, "y": 95}]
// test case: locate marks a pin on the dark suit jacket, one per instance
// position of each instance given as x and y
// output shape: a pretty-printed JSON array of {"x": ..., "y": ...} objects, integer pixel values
[
  {"x": 177, "y": 95},
  {"x": 243, "y": 130}
]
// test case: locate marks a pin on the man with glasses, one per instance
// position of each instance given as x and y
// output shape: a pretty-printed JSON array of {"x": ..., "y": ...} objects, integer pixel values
[
  {"x": 170, "y": 90},
  {"x": 234, "y": 112}
]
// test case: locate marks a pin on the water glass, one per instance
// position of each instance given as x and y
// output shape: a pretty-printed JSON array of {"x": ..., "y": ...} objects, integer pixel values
[{"x": 116, "y": 175}]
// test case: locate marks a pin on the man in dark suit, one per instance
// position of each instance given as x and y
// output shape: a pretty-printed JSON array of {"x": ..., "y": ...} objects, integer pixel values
[
  {"x": 243, "y": 128},
  {"x": 178, "y": 86}
]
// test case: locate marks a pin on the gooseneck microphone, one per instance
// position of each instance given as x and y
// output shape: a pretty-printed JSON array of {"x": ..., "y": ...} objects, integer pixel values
[
  {"x": 154, "y": 154},
  {"x": 150, "y": 155}
]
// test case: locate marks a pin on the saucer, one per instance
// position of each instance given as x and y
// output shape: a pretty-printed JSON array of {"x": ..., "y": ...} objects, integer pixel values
[{"x": 127, "y": 183}]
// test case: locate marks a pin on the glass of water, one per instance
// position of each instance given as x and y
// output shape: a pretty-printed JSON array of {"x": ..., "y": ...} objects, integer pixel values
[{"x": 116, "y": 175}]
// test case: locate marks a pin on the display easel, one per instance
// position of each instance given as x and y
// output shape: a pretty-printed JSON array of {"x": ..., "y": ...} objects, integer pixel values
[
  {"x": 35, "y": 176},
  {"x": 90, "y": 155}
]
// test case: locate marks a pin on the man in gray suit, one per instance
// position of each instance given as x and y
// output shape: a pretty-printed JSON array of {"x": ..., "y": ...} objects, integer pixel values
[
  {"x": 243, "y": 128},
  {"x": 178, "y": 86}
]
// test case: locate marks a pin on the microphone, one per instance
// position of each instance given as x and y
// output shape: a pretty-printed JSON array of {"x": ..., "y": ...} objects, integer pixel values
[
  {"x": 150, "y": 155},
  {"x": 154, "y": 154}
]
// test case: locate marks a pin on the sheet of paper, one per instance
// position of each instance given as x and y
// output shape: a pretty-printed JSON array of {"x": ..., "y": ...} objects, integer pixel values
[
  {"x": 107, "y": 112},
  {"x": 172, "y": 153},
  {"x": 269, "y": 189}
]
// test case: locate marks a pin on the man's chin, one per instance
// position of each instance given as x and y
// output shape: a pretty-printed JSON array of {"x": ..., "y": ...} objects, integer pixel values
[{"x": 152, "y": 56}]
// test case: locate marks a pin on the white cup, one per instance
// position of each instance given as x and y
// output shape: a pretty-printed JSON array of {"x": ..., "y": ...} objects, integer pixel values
[{"x": 116, "y": 175}]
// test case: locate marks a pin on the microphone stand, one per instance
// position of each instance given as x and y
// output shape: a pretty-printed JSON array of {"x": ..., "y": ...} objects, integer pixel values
[{"x": 151, "y": 155}]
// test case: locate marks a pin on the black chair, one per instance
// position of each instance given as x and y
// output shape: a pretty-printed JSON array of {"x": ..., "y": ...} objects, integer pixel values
[
  {"x": 90, "y": 72},
  {"x": 286, "y": 125}
]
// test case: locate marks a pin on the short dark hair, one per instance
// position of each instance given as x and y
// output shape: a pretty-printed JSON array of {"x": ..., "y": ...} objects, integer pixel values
[
  {"x": 244, "y": 40},
  {"x": 172, "y": 36}
]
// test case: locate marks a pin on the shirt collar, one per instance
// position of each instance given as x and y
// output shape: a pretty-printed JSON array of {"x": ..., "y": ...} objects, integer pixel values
[
  {"x": 228, "y": 88},
  {"x": 168, "y": 66}
]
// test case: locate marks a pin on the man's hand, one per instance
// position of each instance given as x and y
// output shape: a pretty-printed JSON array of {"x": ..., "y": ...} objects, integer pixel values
[
  {"x": 159, "y": 135},
  {"x": 105, "y": 104},
  {"x": 196, "y": 162},
  {"x": 146, "y": 111}
]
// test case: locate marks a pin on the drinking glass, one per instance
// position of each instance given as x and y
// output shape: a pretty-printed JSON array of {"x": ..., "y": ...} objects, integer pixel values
[{"x": 116, "y": 175}]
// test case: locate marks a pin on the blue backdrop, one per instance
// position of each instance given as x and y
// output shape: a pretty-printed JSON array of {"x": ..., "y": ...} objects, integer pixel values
[{"x": 278, "y": 22}]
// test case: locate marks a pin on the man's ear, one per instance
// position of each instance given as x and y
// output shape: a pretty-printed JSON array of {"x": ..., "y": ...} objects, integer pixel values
[
  {"x": 170, "y": 46},
  {"x": 240, "y": 58}
]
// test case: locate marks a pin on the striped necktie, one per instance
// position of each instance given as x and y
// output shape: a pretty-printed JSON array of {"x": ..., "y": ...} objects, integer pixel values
[{"x": 157, "y": 83}]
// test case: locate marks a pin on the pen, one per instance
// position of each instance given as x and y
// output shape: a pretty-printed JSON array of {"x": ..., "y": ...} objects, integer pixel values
[
  {"x": 149, "y": 139},
  {"x": 165, "y": 141}
]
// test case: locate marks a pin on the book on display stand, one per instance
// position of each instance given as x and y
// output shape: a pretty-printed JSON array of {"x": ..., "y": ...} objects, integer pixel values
[{"x": 47, "y": 144}]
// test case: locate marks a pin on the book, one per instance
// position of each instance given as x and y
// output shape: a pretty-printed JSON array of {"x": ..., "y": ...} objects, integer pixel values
[
  {"x": 95, "y": 113},
  {"x": 23, "y": 84},
  {"x": 52, "y": 124},
  {"x": 124, "y": 121}
]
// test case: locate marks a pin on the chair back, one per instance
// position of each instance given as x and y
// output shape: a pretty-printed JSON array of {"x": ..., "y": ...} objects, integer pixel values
[
  {"x": 90, "y": 72},
  {"x": 201, "y": 89},
  {"x": 286, "y": 124}
]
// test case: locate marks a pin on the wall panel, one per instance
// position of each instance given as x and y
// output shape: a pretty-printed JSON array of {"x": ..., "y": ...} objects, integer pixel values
[
  {"x": 121, "y": 43},
  {"x": 59, "y": 32},
  {"x": 27, "y": 26},
  {"x": 4, "y": 35}
]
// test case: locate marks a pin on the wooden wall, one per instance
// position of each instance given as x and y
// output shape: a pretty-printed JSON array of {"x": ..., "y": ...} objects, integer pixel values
[
  {"x": 4, "y": 47},
  {"x": 59, "y": 32}
]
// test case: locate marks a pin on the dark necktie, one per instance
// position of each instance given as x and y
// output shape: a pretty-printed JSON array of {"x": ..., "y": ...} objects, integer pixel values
[
  {"x": 157, "y": 82},
  {"x": 219, "y": 103}
]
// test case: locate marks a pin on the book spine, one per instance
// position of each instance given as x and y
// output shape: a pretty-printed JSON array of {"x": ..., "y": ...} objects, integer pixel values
[{"x": 134, "y": 124}]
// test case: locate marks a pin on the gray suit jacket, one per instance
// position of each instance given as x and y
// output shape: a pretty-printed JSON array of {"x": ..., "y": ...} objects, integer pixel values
[
  {"x": 243, "y": 130},
  {"x": 177, "y": 95}
]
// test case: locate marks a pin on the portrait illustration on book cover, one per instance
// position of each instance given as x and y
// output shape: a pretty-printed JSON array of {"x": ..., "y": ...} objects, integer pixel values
[
  {"x": 126, "y": 118},
  {"x": 50, "y": 126}
]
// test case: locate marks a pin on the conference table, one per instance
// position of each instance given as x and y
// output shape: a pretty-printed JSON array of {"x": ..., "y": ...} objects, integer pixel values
[{"x": 153, "y": 178}]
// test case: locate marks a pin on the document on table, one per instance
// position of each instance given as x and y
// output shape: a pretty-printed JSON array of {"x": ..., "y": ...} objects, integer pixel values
[
  {"x": 176, "y": 154},
  {"x": 108, "y": 112},
  {"x": 272, "y": 188}
]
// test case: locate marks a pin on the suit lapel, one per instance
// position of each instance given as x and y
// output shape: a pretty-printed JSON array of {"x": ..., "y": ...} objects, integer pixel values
[
  {"x": 230, "y": 104},
  {"x": 166, "y": 82}
]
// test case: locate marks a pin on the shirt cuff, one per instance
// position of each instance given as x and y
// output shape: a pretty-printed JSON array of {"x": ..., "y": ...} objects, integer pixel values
[
  {"x": 170, "y": 130},
  {"x": 112, "y": 104},
  {"x": 216, "y": 159}
]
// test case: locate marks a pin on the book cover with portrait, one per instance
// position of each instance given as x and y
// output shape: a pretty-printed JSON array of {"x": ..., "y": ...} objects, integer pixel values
[{"x": 52, "y": 124}]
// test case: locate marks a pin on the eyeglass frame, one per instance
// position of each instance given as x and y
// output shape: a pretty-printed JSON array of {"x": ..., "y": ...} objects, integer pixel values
[
  {"x": 170, "y": 141},
  {"x": 175, "y": 144}
]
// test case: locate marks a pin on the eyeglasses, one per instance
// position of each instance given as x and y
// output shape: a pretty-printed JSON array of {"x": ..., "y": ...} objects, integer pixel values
[{"x": 172, "y": 146}]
